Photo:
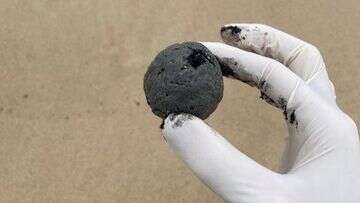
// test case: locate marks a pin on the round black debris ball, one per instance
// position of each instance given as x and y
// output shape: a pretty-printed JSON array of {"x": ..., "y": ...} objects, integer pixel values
[{"x": 184, "y": 78}]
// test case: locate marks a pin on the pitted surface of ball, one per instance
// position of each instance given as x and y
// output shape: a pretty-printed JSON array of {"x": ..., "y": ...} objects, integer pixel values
[{"x": 184, "y": 78}]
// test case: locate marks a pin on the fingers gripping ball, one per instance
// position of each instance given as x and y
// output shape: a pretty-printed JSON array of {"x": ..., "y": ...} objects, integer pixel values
[{"x": 184, "y": 78}]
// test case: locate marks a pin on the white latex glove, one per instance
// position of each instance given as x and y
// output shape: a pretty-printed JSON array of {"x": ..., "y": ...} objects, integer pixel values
[{"x": 321, "y": 163}]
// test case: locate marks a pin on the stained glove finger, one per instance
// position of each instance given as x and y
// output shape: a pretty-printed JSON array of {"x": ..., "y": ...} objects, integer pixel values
[
  {"x": 301, "y": 57},
  {"x": 227, "y": 171}
]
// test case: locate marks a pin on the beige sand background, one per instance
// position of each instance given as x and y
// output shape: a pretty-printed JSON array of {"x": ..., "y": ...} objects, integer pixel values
[{"x": 74, "y": 124}]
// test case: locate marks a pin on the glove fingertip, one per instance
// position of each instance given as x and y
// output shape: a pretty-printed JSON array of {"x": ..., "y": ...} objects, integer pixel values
[{"x": 176, "y": 121}]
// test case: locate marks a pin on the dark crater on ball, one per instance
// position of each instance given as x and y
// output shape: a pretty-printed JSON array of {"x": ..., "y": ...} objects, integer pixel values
[{"x": 184, "y": 78}]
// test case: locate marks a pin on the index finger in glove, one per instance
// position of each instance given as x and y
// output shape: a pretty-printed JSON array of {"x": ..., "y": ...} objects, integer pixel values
[
  {"x": 279, "y": 85},
  {"x": 300, "y": 57}
]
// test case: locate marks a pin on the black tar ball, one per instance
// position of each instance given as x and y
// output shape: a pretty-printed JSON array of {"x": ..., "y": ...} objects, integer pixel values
[{"x": 184, "y": 78}]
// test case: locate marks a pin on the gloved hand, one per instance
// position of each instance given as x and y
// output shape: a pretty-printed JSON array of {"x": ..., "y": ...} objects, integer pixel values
[{"x": 321, "y": 162}]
